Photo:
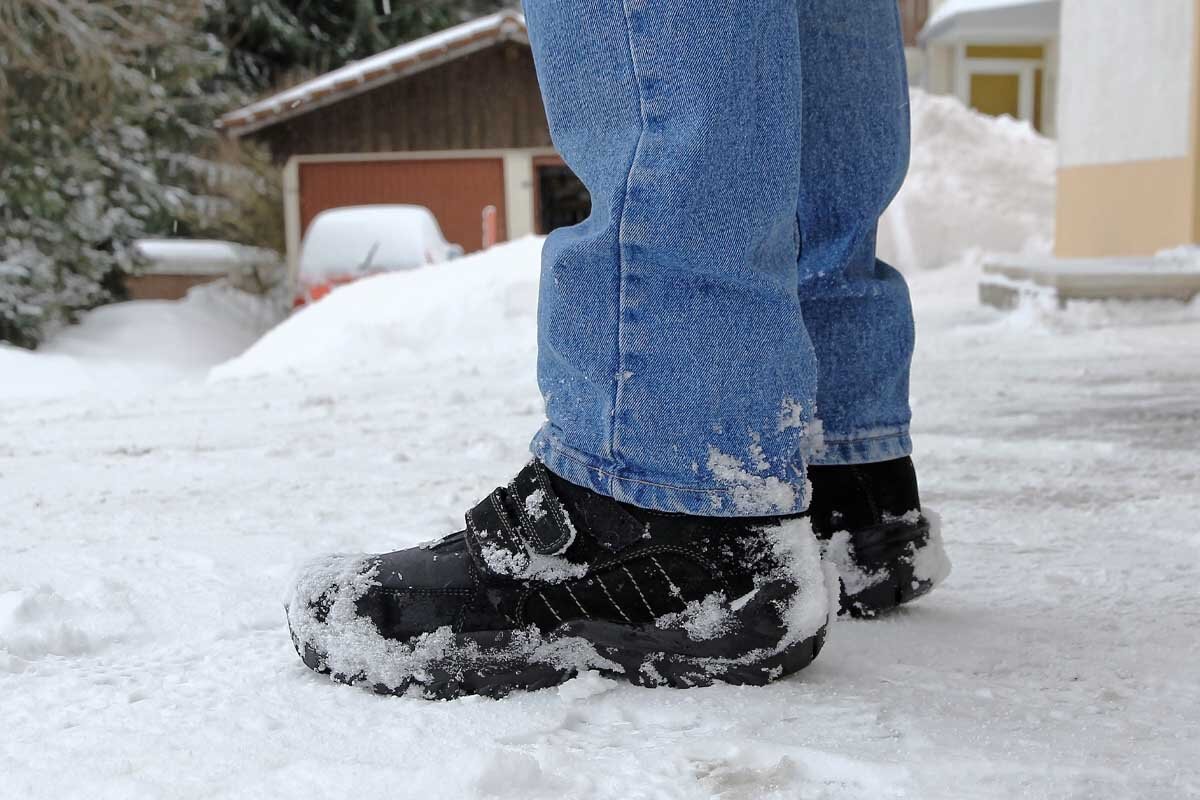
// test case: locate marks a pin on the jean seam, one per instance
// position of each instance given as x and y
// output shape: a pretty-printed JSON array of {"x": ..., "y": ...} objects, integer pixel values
[
  {"x": 626, "y": 479},
  {"x": 619, "y": 375}
]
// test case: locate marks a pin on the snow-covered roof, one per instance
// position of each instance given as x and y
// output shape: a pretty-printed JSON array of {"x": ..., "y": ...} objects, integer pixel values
[
  {"x": 992, "y": 20},
  {"x": 199, "y": 256},
  {"x": 390, "y": 65}
]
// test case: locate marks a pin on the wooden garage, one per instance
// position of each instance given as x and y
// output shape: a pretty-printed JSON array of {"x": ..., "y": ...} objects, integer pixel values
[
  {"x": 453, "y": 122},
  {"x": 456, "y": 190}
]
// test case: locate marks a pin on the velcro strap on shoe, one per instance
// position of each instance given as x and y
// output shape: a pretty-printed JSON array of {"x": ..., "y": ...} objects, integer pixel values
[
  {"x": 540, "y": 525},
  {"x": 543, "y": 518},
  {"x": 493, "y": 527}
]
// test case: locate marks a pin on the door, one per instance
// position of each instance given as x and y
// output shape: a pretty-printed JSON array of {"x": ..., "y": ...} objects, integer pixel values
[
  {"x": 559, "y": 197},
  {"x": 456, "y": 190},
  {"x": 996, "y": 94}
]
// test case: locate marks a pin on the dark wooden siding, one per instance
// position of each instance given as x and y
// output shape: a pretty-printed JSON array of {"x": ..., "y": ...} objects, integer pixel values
[
  {"x": 913, "y": 14},
  {"x": 488, "y": 99}
]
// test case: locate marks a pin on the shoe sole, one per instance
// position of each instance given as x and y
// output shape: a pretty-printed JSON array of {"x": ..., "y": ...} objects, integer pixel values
[
  {"x": 886, "y": 566},
  {"x": 644, "y": 655}
]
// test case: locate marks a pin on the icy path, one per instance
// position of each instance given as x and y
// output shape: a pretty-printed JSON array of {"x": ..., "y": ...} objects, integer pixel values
[{"x": 146, "y": 542}]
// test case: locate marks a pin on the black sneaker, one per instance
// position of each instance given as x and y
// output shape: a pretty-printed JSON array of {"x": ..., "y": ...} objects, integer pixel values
[
  {"x": 549, "y": 579},
  {"x": 887, "y": 551}
]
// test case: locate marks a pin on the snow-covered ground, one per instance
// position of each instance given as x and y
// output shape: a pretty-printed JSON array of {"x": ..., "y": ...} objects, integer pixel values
[
  {"x": 148, "y": 540},
  {"x": 139, "y": 345},
  {"x": 148, "y": 537}
]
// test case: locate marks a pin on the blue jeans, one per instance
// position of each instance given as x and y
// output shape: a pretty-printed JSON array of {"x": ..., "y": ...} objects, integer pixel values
[{"x": 721, "y": 320}]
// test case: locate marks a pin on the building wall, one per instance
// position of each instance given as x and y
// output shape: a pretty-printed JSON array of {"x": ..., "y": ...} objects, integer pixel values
[
  {"x": 484, "y": 100},
  {"x": 164, "y": 286},
  {"x": 1128, "y": 176},
  {"x": 1136, "y": 116}
]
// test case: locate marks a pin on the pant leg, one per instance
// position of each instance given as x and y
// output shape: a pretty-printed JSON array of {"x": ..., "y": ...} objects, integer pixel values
[
  {"x": 676, "y": 369},
  {"x": 854, "y": 158}
]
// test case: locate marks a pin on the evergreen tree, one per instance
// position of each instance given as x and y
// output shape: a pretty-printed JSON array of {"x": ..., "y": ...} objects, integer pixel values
[
  {"x": 106, "y": 128},
  {"x": 274, "y": 41},
  {"x": 106, "y": 136}
]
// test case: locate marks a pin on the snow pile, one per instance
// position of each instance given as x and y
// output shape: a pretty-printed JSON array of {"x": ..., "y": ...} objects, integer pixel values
[
  {"x": 29, "y": 374},
  {"x": 1040, "y": 315},
  {"x": 586, "y": 685},
  {"x": 39, "y": 622},
  {"x": 1178, "y": 259},
  {"x": 974, "y": 182},
  {"x": 140, "y": 344},
  {"x": 481, "y": 303}
]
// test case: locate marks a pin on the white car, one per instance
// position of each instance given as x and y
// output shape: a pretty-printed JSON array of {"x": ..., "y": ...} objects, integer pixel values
[{"x": 345, "y": 244}]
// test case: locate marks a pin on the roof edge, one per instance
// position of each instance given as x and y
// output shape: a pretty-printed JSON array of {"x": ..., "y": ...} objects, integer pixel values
[
  {"x": 940, "y": 23},
  {"x": 369, "y": 73}
]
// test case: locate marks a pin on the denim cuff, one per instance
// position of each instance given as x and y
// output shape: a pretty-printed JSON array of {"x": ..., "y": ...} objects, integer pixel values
[
  {"x": 587, "y": 471},
  {"x": 867, "y": 447}
]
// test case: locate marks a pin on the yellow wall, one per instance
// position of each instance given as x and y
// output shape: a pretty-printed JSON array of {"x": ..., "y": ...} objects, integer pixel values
[
  {"x": 996, "y": 94},
  {"x": 1133, "y": 209},
  {"x": 1033, "y": 52}
]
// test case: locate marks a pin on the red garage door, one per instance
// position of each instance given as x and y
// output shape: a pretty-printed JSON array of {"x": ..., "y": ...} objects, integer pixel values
[{"x": 456, "y": 190}]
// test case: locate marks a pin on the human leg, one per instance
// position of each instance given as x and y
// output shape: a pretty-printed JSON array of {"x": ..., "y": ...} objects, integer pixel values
[
  {"x": 854, "y": 158},
  {"x": 674, "y": 362},
  {"x": 866, "y": 507}
]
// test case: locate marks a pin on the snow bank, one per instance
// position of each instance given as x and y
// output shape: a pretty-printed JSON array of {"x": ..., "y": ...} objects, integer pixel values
[
  {"x": 27, "y": 374},
  {"x": 483, "y": 303},
  {"x": 39, "y": 622},
  {"x": 140, "y": 344},
  {"x": 974, "y": 182}
]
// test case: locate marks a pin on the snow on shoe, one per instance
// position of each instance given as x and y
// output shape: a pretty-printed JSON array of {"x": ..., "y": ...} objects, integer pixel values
[
  {"x": 549, "y": 579},
  {"x": 886, "y": 550}
]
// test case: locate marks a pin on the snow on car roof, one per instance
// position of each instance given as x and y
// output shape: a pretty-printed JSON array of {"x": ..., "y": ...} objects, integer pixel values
[{"x": 353, "y": 240}]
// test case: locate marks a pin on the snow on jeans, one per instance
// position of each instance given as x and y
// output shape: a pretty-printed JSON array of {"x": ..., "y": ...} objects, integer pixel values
[{"x": 721, "y": 319}]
